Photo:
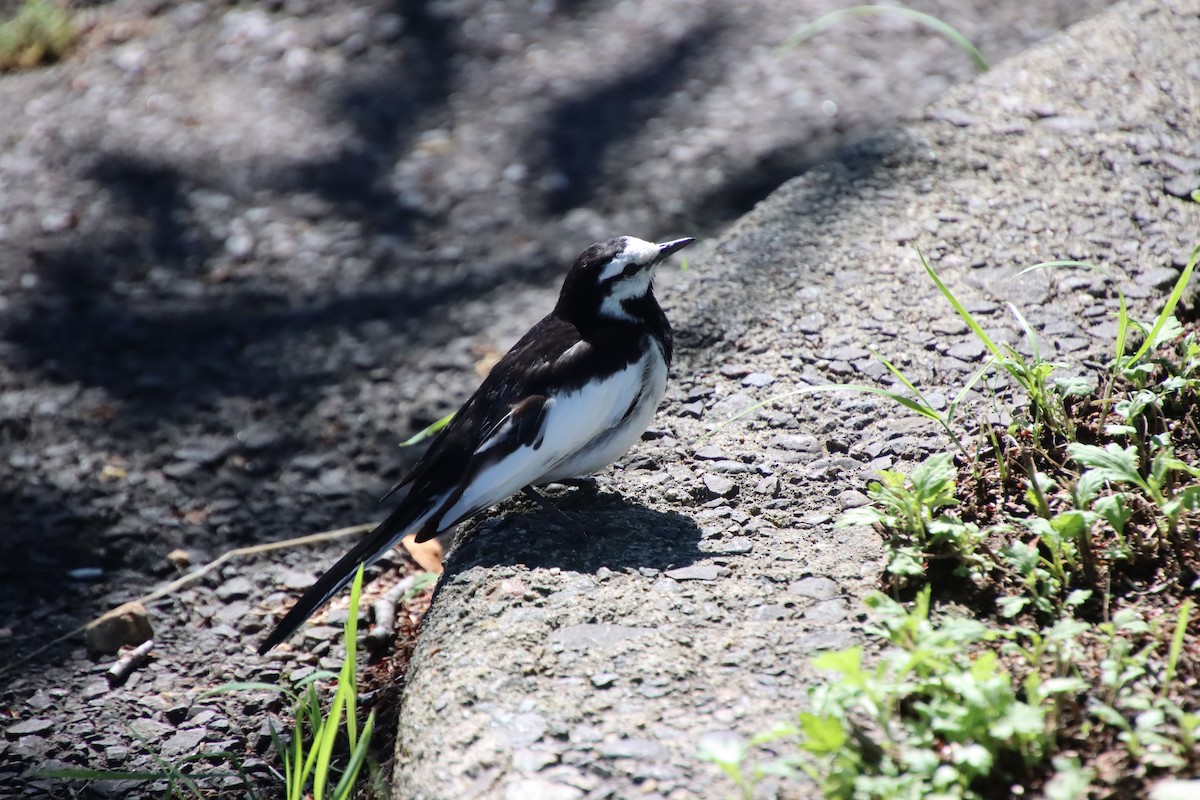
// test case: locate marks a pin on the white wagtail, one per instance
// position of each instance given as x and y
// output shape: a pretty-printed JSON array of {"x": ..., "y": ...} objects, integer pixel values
[{"x": 568, "y": 399}]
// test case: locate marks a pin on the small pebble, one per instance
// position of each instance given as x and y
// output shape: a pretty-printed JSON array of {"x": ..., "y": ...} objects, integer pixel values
[
  {"x": 34, "y": 727},
  {"x": 1182, "y": 186},
  {"x": 852, "y": 498},
  {"x": 697, "y": 572},
  {"x": 602, "y": 680},
  {"x": 720, "y": 485},
  {"x": 127, "y": 624},
  {"x": 817, "y": 587},
  {"x": 758, "y": 379},
  {"x": 235, "y": 588}
]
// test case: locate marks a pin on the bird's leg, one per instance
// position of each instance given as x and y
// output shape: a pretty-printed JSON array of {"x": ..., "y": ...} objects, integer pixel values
[{"x": 565, "y": 520}]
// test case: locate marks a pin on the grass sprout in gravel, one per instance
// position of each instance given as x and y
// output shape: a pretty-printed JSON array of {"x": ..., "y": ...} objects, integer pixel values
[
  {"x": 308, "y": 749},
  {"x": 320, "y": 754},
  {"x": 1038, "y": 633}
]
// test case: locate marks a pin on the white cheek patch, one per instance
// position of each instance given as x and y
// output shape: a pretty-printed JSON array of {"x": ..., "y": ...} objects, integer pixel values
[{"x": 628, "y": 289}]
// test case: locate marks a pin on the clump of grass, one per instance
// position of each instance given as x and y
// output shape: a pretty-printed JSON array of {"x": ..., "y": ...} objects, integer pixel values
[
  {"x": 323, "y": 753},
  {"x": 308, "y": 749},
  {"x": 1077, "y": 532},
  {"x": 962, "y": 709},
  {"x": 40, "y": 32}
]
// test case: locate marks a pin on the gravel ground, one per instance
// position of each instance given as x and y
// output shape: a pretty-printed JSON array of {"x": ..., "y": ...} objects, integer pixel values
[{"x": 244, "y": 249}]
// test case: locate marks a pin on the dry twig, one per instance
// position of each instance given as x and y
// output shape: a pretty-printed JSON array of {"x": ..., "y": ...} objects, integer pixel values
[{"x": 120, "y": 671}]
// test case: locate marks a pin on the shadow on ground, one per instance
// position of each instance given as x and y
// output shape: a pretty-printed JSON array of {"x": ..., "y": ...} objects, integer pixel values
[{"x": 605, "y": 530}]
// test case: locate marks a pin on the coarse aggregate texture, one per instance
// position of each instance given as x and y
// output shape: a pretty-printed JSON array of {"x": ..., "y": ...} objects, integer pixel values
[
  {"x": 245, "y": 248},
  {"x": 596, "y": 670}
]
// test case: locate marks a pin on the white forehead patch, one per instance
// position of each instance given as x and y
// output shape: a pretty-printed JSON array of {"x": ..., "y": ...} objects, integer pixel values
[{"x": 636, "y": 251}]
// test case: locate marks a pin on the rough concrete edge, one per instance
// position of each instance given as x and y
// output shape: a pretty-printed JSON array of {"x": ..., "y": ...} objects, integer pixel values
[{"x": 808, "y": 188}]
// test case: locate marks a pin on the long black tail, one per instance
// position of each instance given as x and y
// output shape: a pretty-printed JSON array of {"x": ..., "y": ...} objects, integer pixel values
[{"x": 366, "y": 552}]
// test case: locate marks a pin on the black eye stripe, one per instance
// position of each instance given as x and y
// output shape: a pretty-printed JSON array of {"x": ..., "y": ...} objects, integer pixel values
[{"x": 632, "y": 268}]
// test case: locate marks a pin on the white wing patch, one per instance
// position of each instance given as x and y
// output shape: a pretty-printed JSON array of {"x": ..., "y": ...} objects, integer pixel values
[
  {"x": 504, "y": 429},
  {"x": 582, "y": 431}
]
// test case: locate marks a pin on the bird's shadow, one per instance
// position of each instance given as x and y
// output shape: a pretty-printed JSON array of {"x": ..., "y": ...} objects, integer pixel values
[{"x": 602, "y": 529}]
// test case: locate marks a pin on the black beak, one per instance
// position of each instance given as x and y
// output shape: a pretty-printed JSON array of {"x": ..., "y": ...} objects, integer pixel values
[{"x": 666, "y": 248}]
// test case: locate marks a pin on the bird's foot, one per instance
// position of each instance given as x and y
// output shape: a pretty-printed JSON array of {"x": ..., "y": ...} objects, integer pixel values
[
  {"x": 583, "y": 483},
  {"x": 565, "y": 520}
]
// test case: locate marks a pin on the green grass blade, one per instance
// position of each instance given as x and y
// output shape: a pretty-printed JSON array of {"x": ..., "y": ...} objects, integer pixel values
[
  {"x": 1169, "y": 308},
  {"x": 1122, "y": 327},
  {"x": 357, "y": 758},
  {"x": 296, "y": 771},
  {"x": 313, "y": 677},
  {"x": 325, "y": 739},
  {"x": 967, "y": 316},
  {"x": 1181, "y": 624},
  {"x": 1030, "y": 336},
  {"x": 343, "y": 699},
  {"x": 317, "y": 722},
  {"x": 907, "y": 402},
  {"x": 1041, "y": 265},
  {"x": 942, "y": 28},
  {"x": 246, "y": 686},
  {"x": 284, "y": 753},
  {"x": 82, "y": 774},
  {"x": 421, "y": 582},
  {"x": 428, "y": 431},
  {"x": 974, "y": 379},
  {"x": 900, "y": 376},
  {"x": 350, "y": 666}
]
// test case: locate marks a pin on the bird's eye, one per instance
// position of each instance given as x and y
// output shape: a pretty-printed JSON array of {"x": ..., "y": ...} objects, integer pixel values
[{"x": 630, "y": 269}]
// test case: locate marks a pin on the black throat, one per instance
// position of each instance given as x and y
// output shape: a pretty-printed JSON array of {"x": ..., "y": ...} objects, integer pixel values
[{"x": 647, "y": 319}]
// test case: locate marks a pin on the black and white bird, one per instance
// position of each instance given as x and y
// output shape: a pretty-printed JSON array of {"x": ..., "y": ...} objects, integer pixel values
[{"x": 568, "y": 399}]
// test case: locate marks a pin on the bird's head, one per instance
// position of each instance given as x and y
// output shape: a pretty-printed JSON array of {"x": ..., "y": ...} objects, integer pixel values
[{"x": 609, "y": 276}]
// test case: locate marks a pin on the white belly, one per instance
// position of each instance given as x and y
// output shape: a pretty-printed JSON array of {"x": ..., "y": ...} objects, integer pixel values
[{"x": 651, "y": 375}]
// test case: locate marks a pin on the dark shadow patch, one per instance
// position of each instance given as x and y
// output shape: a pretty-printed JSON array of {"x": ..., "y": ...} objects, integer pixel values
[
  {"x": 157, "y": 216},
  {"x": 620, "y": 534},
  {"x": 744, "y": 190},
  {"x": 123, "y": 310},
  {"x": 386, "y": 109},
  {"x": 583, "y": 128}
]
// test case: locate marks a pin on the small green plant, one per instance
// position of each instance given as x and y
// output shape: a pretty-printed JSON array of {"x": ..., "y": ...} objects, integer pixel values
[
  {"x": 308, "y": 760},
  {"x": 938, "y": 715},
  {"x": 1045, "y": 400},
  {"x": 1136, "y": 700},
  {"x": 41, "y": 31},
  {"x": 907, "y": 509}
]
